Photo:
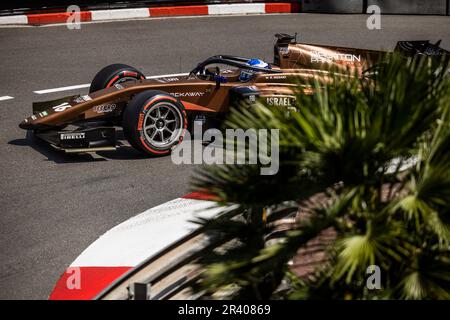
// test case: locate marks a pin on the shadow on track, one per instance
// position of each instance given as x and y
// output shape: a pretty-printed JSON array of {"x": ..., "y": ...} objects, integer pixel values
[{"x": 124, "y": 152}]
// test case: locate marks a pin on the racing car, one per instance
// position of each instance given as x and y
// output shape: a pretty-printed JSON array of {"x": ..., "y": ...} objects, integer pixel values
[{"x": 155, "y": 113}]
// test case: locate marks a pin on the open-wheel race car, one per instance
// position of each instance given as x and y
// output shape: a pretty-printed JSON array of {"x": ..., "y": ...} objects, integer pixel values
[{"x": 155, "y": 113}]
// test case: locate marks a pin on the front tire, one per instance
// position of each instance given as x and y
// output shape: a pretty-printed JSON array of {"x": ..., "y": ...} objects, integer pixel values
[
  {"x": 114, "y": 74},
  {"x": 154, "y": 122}
]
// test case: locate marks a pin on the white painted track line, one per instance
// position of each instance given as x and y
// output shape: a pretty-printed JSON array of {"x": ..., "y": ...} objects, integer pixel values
[
  {"x": 79, "y": 86},
  {"x": 3, "y": 98},
  {"x": 86, "y": 85}
]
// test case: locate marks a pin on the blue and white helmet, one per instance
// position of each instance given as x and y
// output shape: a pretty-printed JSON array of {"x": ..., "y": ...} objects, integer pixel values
[{"x": 247, "y": 74}]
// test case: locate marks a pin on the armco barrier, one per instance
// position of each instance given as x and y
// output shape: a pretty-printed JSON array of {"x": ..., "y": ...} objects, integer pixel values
[
  {"x": 438, "y": 7},
  {"x": 333, "y": 6}
]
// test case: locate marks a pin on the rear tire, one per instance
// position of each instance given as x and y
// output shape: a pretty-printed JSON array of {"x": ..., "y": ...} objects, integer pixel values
[
  {"x": 113, "y": 74},
  {"x": 154, "y": 122}
]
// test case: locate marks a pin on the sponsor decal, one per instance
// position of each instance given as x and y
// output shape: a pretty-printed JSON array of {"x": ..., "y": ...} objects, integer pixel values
[
  {"x": 246, "y": 75},
  {"x": 141, "y": 121},
  {"x": 166, "y": 80},
  {"x": 200, "y": 118},
  {"x": 72, "y": 136},
  {"x": 118, "y": 86},
  {"x": 252, "y": 98},
  {"x": 188, "y": 94},
  {"x": 104, "y": 108},
  {"x": 279, "y": 101},
  {"x": 82, "y": 99},
  {"x": 323, "y": 57},
  {"x": 43, "y": 114},
  {"x": 276, "y": 77},
  {"x": 129, "y": 74},
  {"x": 61, "y": 107},
  {"x": 33, "y": 117}
]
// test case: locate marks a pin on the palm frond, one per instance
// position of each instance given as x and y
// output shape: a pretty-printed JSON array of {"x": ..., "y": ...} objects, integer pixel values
[{"x": 345, "y": 135}]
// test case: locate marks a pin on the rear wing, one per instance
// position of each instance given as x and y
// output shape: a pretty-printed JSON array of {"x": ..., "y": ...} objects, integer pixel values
[
  {"x": 425, "y": 47},
  {"x": 289, "y": 54}
]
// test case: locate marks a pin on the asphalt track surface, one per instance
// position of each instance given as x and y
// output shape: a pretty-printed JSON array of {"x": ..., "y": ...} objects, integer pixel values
[{"x": 52, "y": 206}]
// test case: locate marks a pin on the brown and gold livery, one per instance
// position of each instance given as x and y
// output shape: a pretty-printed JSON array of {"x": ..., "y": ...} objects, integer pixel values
[{"x": 88, "y": 122}]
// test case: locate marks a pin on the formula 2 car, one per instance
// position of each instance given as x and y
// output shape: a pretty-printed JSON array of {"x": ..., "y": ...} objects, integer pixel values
[{"x": 155, "y": 113}]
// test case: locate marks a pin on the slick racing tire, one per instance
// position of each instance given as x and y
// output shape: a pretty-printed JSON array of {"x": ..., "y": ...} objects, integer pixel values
[
  {"x": 114, "y": 74},
  {"x": 154, "y": 122}
]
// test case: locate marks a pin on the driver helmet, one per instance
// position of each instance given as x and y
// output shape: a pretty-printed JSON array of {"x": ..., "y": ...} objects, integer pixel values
[{"x": 247, "y": 74}]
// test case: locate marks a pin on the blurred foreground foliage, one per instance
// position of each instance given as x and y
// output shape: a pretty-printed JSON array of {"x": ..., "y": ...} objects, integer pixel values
[{"x": 376, "y": 150}]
